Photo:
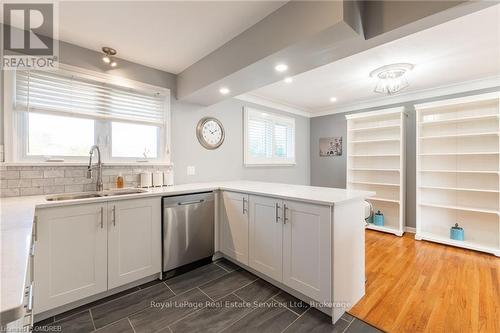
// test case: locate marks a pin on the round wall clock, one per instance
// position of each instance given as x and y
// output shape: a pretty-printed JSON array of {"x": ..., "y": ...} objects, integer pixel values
[{"x": 210, "y": 132}]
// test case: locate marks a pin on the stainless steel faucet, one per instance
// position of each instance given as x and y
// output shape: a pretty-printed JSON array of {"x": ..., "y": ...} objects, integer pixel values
[{"x": 99, "y": 186}]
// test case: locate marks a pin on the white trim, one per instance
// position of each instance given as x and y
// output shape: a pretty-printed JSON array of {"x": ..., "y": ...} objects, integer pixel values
[
  {"x": 460, "y": 100},
  {"x": 376, "y": 113},
  {"x": 249, "y": 161},
  {"x": 410, "y": 230},
  {"x": 489, "y": 82},
  {"x": 13, "y": 126},
  {"x": 281, "y": 106},
  {"x": 67, "y": 164}
]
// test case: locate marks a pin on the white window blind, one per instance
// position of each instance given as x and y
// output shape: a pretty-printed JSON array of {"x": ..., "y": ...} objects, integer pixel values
[
  {"x": 62, "y": 93},
  {"x": 269, "y": 138}
]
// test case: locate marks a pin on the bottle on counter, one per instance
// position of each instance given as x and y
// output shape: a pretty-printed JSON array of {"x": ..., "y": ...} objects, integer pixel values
[{"x": 119, "y": 181}]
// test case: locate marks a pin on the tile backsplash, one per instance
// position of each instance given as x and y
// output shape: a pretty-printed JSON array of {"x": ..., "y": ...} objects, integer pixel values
[{"x": 36, "y": 180}]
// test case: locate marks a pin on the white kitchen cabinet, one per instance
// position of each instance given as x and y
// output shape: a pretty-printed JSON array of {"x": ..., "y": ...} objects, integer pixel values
[
  {"x": 234, "y": 226},
  {"x": 83, "y": 250},
  {"x": 288, "y": 241},
  {"x": 134, "y": 240},
  {"x": 266, "y": 236},
  {"x": 307, "y": 249},
  {"x": 71, "y": 254}
]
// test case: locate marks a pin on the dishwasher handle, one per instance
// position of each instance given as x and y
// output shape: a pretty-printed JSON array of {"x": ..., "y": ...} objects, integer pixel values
[{"x": 190, "y": 202}]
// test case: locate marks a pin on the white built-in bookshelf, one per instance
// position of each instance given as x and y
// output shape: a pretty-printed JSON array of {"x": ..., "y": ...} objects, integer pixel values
[
  {"x": 376, "y": 162},
  {"x": 458, "y": 178}
]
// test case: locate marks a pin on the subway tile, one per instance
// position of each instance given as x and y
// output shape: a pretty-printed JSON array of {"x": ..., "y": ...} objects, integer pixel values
[
  {"x": 17, "y": 168},
  {"x": 42, "y": 182},
  {"x": 56, "y": 173},
  {"x": 32, "y": 191},
  {"x": 59, "y": 179},
  {"x": 19, "y": 183},
  {"x": 72, "y": 181},
  {"x": 53, "y": 189},
  {"x": 9, "y": 174},
  {"x": 131, "y": 178},
  {"x": 10, "y": 192},
  {"x": 69, "y": 173},
  {"x": 31, "y": 174},
  {"x": 73, "y": 188}
]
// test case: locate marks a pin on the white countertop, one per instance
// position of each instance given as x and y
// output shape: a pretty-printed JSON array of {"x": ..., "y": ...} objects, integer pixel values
[{"x": 17, "y": 213}]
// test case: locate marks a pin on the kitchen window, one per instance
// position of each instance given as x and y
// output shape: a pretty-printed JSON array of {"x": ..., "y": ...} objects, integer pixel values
[
  {"x": 269, "y": 138},
  {"x": 59, "y": 115}
]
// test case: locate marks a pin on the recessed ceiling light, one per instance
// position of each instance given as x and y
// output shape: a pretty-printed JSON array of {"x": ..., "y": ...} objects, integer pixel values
[
  {"x": 288, "y": 80},
  {"x": 224, "y": 91},
  {"x": 333, "y": 99},
  {"x": 281, "y": 67}
]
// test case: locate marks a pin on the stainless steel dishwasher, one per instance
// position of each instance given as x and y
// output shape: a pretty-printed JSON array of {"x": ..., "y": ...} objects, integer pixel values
[{"x": 188, "y": 229}]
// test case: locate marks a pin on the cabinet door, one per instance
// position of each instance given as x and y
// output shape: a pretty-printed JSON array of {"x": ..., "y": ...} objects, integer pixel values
[
  {"x": 134, "y": 240},
  {"x": 306, "y": 249},
  {"x": 266, "y": 236},
  {"x": 234, "y": 226},
  {"x": 71, "y": 254}
]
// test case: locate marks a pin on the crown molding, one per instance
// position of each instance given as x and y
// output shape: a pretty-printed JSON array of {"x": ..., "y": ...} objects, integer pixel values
[
  {"x": 264, "y": 101},
  {"x": 489, "y": 82}
]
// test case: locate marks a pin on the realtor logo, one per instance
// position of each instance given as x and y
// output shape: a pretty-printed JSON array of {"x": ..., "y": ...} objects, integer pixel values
[{"x": 29, "y": 36}]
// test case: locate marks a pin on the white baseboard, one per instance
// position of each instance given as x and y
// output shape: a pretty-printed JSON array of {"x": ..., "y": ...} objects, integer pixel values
[{"x": 411, "y": 230}]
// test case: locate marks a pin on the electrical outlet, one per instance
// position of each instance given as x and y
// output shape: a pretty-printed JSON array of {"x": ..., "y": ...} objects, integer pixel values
[{"x": 191, "y": 170}]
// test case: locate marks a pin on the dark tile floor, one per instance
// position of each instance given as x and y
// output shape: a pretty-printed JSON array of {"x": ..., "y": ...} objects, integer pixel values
[{"x": 218, "y": 297}]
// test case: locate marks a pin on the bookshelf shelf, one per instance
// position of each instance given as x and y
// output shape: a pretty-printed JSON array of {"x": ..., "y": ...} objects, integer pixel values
[
  {"x": 458, "y": 171},
  {"x": 376, "y": 162}
]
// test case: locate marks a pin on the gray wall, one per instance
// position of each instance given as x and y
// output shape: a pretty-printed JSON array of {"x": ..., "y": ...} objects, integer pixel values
[
  {"x": 331, "y": 171},
  {"x": 226, "y": 162}
]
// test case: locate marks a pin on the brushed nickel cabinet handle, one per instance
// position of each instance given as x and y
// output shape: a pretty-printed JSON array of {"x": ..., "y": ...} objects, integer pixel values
[
  {"x": 277, "y": 207},
  {"x": 244, "y": 210},
  {"x": 102, "y": 217},
  {"x": 284, "y": 214},
  {"x": 114, "y": 216}
]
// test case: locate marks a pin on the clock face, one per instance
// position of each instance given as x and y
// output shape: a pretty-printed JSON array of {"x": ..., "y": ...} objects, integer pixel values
[{"x": 210, "y": 133}]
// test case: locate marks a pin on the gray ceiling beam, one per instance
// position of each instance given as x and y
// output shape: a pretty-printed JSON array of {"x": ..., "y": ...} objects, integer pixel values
[{"x": 306, "y": 35}]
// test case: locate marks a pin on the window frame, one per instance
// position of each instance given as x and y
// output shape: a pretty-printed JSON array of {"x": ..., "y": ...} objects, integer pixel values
[
  {"x": 250, "y": 161},
  {"x": 16, "y": 126}
]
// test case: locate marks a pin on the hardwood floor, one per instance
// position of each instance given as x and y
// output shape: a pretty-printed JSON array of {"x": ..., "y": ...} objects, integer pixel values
[{"x": 418, "y": 286}]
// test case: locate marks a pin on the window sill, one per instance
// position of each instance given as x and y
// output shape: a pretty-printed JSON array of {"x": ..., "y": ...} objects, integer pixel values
[
  {"x": 67, "y": 164},
  {"x": 260, "y": 165}
]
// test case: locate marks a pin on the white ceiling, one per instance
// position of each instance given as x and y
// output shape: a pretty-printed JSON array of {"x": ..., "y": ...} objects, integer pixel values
[
  {"x": 168, "y": 35},
  {"x": 464, "y": 49}
]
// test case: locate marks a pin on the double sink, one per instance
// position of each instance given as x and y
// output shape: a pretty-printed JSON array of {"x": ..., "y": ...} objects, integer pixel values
[{"x": 93, "y": 194}]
